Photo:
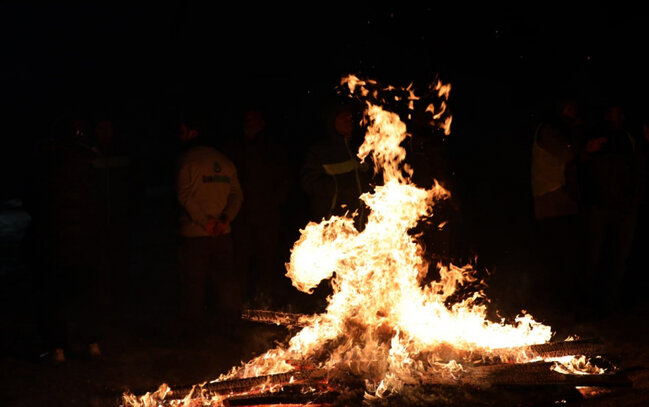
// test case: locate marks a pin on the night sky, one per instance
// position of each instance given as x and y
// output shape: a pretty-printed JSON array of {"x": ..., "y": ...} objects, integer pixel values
[{"x": 142, "y": 63}]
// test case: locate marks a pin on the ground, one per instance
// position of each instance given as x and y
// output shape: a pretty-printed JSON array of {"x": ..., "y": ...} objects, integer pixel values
[{"x": 142, "y": 348}]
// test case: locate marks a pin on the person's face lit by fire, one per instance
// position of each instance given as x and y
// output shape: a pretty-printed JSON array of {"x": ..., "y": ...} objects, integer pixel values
[
  {"x": 344, "y": 124},
  {"x": 253, "y": 124}
]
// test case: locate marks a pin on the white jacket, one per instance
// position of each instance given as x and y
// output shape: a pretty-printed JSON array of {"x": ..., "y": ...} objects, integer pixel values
[{"x": 207, "y": 187}]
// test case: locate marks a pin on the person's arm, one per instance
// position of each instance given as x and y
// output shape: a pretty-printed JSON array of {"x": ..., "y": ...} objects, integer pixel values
[
  {"x": 185, "y": 185},
  {"x": 551, "y": 140}
]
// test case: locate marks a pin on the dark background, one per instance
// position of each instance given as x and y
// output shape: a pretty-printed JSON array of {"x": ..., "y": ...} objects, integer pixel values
[{"x": 144, "y": 64}]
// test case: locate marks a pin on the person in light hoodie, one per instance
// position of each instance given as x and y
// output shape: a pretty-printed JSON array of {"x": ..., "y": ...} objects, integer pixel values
[{"x": 210, "y": 196}]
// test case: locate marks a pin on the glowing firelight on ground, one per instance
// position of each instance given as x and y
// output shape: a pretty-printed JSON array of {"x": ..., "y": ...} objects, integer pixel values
[{"x": 380, "y": 323}]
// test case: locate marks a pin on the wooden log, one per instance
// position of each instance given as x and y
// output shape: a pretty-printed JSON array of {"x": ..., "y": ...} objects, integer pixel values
[
  {"x": 287, "y": 319},
  {"x": 235, "y": 386},
  {"x": 447, "y": 352},
  {"x": 291, "y": 395},
  {"x": 312, "y": 386},
  {"x": 536, "y": 374},
  {"x": 586, "y": 347}
]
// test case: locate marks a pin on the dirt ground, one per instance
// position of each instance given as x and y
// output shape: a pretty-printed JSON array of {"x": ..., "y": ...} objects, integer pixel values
[
  {"x": 142, "y": 348},
  {"x": 138, "y": 357}
]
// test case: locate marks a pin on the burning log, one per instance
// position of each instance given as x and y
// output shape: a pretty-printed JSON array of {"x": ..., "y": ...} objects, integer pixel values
[
  {"x": 287, "y": 319},
  {"x": 313, "y": 387},
  {"x": 587, "y": 347},
  {"x": 543, "y": 350},
  {"x": 247, "y": 385},
  {"x": 295, "y": 395}
]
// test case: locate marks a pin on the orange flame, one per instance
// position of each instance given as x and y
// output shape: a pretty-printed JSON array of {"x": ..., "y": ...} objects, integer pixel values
[
  {"x": 380, "y": 323},
  {"x": 379, "y": 315}
]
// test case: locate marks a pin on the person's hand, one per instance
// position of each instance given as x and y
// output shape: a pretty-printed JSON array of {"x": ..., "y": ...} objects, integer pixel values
[
  {"x": 595, "y": 144},
  {"x": 216, "y": 227},
  {"x": 221, "y": 226}
]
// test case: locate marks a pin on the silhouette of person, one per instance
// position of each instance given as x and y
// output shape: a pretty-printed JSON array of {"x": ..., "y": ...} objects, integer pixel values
[
  {"x": 263, "y": 170},
  {"x": 331, "y": 175},
  {"x": 612, "y": 189},
  {"x": 555, "y": 189},
  {"x": 428, "y": 156},
  {"x": 62, "y": 241},
  {"x": 210, "y": 196},
  {"x": 114, "y": 173}
]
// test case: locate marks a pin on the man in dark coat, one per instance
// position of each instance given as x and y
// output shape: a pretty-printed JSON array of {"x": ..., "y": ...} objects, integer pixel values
[
  {"x": 332, "y": 175},
  {"x": 613, "y": 172},
  {"x": 62, "y": 241},
  {"x": 263, "y": 168}
]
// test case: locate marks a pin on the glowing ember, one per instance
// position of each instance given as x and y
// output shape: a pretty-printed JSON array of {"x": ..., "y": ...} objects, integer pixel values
[{"x": 381, "y": 325}]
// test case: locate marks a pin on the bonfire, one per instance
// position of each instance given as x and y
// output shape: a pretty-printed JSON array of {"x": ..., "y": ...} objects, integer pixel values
[{"x": 385, "y": 335}]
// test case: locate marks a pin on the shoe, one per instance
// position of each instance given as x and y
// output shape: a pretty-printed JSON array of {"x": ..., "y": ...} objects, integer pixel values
[
  {"x": 58, "y": 356},
  {"x": 93, "y": 350}
]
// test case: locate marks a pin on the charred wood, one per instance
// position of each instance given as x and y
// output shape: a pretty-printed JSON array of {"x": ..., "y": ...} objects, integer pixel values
[
  {"x": 537, "y": 374},
  {"x": 236, "y": 386},
  {"x": 285, "y": 396},
  {"x": 287, "y": 319},
  {"x": 587, "y": 347}
]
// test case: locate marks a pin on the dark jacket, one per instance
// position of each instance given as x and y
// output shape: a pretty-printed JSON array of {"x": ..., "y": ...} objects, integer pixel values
[
  {"x": 612, "y": 176},
  {"x": 64, "y": 203},
  {"x": 263, "y": 169},
  {"x": 333, "y": 178},
  {"x": 555, "y": 186}
]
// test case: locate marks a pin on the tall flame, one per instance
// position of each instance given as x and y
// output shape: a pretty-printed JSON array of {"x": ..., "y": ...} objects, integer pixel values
[{"x": 380, "y": 322}]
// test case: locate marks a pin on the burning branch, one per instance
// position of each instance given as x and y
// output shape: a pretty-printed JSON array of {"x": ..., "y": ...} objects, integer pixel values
[{"x": 275, "y": 317}]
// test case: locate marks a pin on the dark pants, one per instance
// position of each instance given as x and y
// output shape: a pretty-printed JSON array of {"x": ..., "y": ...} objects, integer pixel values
[
  {"x": 53, "y": 288},
  {"x": 559, "y": 243},
  {"x": 207, "y": 268},
  {"x": 610, "y": 240},
  {"x": 257, "y": 260},
  {"x": 115, "y": 267},
  {"x": 71, "y": 303}
]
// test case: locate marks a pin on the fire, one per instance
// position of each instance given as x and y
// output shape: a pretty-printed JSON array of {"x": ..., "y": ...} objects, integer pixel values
[{"x": 380, "y": 323}]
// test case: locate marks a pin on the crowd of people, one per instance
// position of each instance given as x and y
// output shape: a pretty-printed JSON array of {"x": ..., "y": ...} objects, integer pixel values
[
  {"x": 231, "y": 194},
  {"x": 588, "y": 183}
]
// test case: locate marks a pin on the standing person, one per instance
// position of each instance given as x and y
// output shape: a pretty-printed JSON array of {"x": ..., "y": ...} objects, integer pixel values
[
  {"x": 332, "y": 175},
  {"x": 62, "y": 241},
  {"x": 429, "y": 157},
  {"x": 114, "y": 173},
  {"x": 555, "y": 153},
  {"x": 613, "y": 172},
  {"x": 640, "y": 130},
  {"x": 264, "y": 173},
  {"x": 209, "y": 194}
]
